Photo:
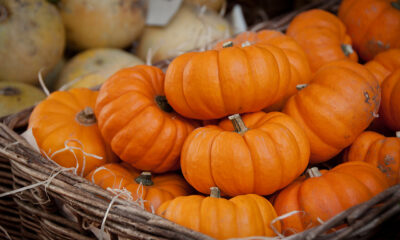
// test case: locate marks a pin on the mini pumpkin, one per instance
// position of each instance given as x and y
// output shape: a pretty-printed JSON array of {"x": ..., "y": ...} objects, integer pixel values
[
  {"x": 339, "y": 104},
  {"x": 323, "y": 194},
  {"x": 374, "y": 25},
  {"x": 322, "y": 36},
  {"x": 241, "y": 216},
  {"x": 259, "y": 153},
  {"x": 390, "y": 106},
  {"x": 65, "y": 129},
  {"x": 384, "y": 64},
  {"x": 135, "y": 119}
]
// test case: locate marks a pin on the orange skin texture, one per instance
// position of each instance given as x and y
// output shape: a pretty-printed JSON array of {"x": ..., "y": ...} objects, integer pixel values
[
  {"x": 241, "y": 216},
  {"x": 321, "y": 35},
  {"x": 374, "y": 25},
  {"x": 271, "y": 154},
  {"x": 390, "y": 106},
  {"x": 139, "y": 132},
  {"x": 384, "y": 64},
  {"x": 380, "y": 151},
  {"x": 323, "y": 197},
  {"x": 217, "y": 83},
  {"x": 299, "y": 67},
  {"x": 53, "y": 123},
  {"x": 119, "y": 176},
  {"x": 336, "y": 107}
]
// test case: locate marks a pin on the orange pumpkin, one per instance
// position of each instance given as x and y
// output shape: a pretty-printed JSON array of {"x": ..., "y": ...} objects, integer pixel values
[
  {"x": 322, "y": 36},
  {"x": 390, "y": 106},
  {"x": 261, "y": 153},
  {"x": 322, "y": 195},
  {"x": 65, "y": 129},
  {"x": 384, "y": 64},
  {"x": 217, "y": 83},
  {"x": 241, "y": 216},
  {"x": 374, "y": 25},
  {"x": 299, "y": 67},
  {"x": 380, "y": 151},
  {"x": 338, "y": 105},
  {"x": 136, "y": 120},
  {"x": 150, "y": 191}
]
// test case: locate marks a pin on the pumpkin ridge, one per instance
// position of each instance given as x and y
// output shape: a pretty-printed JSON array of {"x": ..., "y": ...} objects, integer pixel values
[
  {"x": 220, "y": 83},
  {"x": 252, "y": 160},
  {"x": 250, "y": 72},
  {"x": 259, "y": 215},
  {"x": 211, "y": 159},
  {"x": 183, "y": 87}
]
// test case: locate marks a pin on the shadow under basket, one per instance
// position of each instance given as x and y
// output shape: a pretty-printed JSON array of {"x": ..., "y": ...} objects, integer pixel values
[{"x": 63, "y": 205}]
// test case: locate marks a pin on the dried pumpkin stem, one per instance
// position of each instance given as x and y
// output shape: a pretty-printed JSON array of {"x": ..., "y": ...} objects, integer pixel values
[
  {"x": 86, "y": 117},
  {"x": 3, "y": 13},
  {"x": 162, "y": 103},
  {"x": 215, "y": 192},
  {"x": 238, "y": 124},
  {"x": 313, "y": 172},
  {"x": 145, "y": 179},
  {"x": 9, "y": 91},
  {"x": 347, "y": 49},
  {"x": 227, "y": 44},
  {"x": 301, "y": 86}
]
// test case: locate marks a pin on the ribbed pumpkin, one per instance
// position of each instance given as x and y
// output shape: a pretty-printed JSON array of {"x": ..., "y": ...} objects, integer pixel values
[
  {"x": 259, "y": 153},
  {"x": 241, "y": 216},
  {"x": 380, "y": 151},
  {"x": 136, "y": 120},
  {"x": 151, "y": 191},
  {"x": 384, "y": 64},
  {"x": 66, "y": 119},
  {"x": 338, "y": 105},
  {"x": 322, "y": 36},
  {"x": 217, "y": 83},
  {"x": 390, "y": 106},
  {"x": 299, "y": 67},
  {"x": 323, "y": 194},
  {"x": 374, "y": 25}
]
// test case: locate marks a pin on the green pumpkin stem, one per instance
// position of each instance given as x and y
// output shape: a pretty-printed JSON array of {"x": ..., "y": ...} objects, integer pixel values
[
  {"x": 313, "y": 172},
  {"x": 301, "y": 86},
  {"x": 9, "y": 91},
  {"x": 227, "y": 44},
  {"x": 347, "y": 49},
  {"x": 86, "y": 117},
  {"x": 238, "y": 124},
  {"x": 396, "y": 4},
  {"x": 162, "y": 103},
  {"x": 215, "y": 192},
  {"x": 3, "y": 13},
  {"x": 398, "y": 134},
  {"x": 145, "y": 179}
]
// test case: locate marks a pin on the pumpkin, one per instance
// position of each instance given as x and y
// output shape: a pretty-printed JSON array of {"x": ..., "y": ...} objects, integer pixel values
[
  {"x": 259, "y": 153},
  {"x": 322, "y": 36},
  {"x": 241, "y": 216},
  {"x": 299, "y": 68},
  {"x": 338, "y": 105},
  {"x": 323, "y": 194},
  {"x": 151, "y": 191},
  {"x": 380, "y": 151},
  {"x": 374, "y": 25},
  {"x": 15, "y": 96},
  {"x": 215, "y": 5},
  {"x": 384, "y": 64},
  {"x": 94, "y": 66},
  {"x": 390, "y": 106},
  {"x": 32, "y": 39},
  {"x": 101, "y": 23},
  {"x": 66, "y": 131},
  {"x": 189, "y": 29},
  {"x": 136, "y": 120},
  {"x": 236, "y": 79}
]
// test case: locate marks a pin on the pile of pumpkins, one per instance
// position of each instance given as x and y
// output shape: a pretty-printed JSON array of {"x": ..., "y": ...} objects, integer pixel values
[{"x": 221, "y": 142}]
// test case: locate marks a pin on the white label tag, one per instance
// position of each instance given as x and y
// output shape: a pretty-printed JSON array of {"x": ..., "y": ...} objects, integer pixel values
[{"x": 160, "y": 12}]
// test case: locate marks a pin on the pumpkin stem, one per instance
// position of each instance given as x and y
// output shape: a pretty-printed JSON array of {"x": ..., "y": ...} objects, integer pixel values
[
  {"x": 145, "y": 179},
  {"x": 3, "y": 13},
  {"x": 396, "y": 4},
  {"x": 313, "y": 172},
  {"x": 347, "y": 49},
  {"x": 163, "y": 104},
  {"x": 238, "y": 124},
  {"x": 301, "y": 86},
  {"x": 215, "y": 192},
  {"x": 86, "y": 117},
  {"x": 398, "y": 134},
  {"x": 227, "y": 44},
  {"x": 9, "y": 91}
]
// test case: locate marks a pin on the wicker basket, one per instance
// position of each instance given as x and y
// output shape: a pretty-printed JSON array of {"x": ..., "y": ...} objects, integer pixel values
[{"x": 65, "y": 206}]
